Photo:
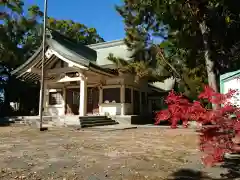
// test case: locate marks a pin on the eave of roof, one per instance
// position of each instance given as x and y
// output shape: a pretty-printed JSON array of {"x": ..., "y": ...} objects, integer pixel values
[
  {"x": 76, "y": 53},
  {"x": 165, "y": 86},
  {"x": 106, "y": 44},
  {"x": 28, "y": 62},
  {"x": 55, "y": 39},
  {"x": 157, "y": 88},
  {"x": 230, "y": 75}
]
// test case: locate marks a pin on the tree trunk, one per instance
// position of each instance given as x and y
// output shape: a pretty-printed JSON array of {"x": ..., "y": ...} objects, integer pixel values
[
  {"x": 212, "y": 81},
  {"x": 181, "y": 76}
]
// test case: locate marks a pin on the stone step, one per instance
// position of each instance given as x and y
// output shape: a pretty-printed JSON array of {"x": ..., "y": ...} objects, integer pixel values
[
  {"x": 91, "y": 121},
  {"x": 92, "y": 117},
  {"x": 98, "y": 124},
  {"x": 23, "y": 122},
  {"x": 98, "y": 121}
]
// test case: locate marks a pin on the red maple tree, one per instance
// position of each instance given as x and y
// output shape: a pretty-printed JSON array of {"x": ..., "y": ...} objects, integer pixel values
[{"x": 215, "y": 139}]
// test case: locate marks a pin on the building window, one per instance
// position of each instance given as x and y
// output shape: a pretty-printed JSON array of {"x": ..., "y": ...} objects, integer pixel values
[
  {"x": 128, "y": 95},
  {"x": 55, "y": 98},
  {"x": 111, "y": 95}
]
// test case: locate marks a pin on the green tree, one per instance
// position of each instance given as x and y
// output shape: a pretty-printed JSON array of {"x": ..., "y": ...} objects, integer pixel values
[
  {"x": 21, "y": 36},
  {"x": 193, "y": 28},
  {"x": 17, "y": 42},
  {"x": 76, "y": 31},
  {"x": 17, "y": 32},
  {"x": 21, "y": 32}
]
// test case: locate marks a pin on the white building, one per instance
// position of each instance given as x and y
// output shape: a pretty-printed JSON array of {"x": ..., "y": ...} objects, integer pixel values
[
  {"x": 229, "y": 81},
  {"x": 79, "y": 80}
]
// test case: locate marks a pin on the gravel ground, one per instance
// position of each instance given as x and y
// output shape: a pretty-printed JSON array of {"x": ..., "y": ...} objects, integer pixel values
[{"x": 65, "y": 153}]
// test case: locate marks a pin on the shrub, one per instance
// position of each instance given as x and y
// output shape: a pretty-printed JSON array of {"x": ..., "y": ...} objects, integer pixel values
[{"x": 216, "y": 139}]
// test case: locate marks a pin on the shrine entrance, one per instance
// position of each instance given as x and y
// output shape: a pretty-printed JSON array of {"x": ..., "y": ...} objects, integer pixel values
[
  {"x": 92, "y": 100},
  {"x": 72, "y": 101}
]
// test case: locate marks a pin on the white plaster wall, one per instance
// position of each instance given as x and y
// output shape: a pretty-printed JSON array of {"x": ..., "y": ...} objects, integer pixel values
[
  {"x": 129, "y": 80},
  {"x": 56, "y": 110},
  {"x": 126, "y": 79},
  {"x": 53, "y": 110},
  {"x": 233, "y": 84},
  {"x": 166, "y": 85},
  {"x": 128, "y": 109},
  {"x": 114, "y": 108},
  {"x": 118, "y": 50},
  {"x": 114, "y": 81},
  {"x": 110, "y": 109}
]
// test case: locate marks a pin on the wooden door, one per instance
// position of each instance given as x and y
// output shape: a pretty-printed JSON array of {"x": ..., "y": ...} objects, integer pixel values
[
  {"x": 72, "y": 101},
  {"x": 92, "y": 100},
  {"x": 95, "y": 101}
]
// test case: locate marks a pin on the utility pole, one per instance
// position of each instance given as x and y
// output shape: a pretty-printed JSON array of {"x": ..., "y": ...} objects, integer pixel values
[{"x": 41, "y": 98}]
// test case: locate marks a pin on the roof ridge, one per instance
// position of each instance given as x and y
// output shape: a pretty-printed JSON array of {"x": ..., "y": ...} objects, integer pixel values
[
  {"x": 107, "y": 44},
  {"x": 54, "y": 33}
]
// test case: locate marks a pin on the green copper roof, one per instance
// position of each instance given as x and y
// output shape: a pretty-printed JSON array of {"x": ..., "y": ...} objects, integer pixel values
[{"x": 67, "y": 48}]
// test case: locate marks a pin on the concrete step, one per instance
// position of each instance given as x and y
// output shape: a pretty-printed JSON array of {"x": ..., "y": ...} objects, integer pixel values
[
  {"x": 126, "y": 120},
  {"x": 98, "y": 124},
  {"x": 92, "y": 117},
  {"x": 24, "y": 122},
  {"x": 91, "y": 121},
  {"x": 98, "y": 121}
]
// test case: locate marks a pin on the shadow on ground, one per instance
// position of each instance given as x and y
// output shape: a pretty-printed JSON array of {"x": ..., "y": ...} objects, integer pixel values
[
  {"x": 5, "y": 122},
  {"x": 232, "y": 165},
  {"x": 189, "y": 174}
]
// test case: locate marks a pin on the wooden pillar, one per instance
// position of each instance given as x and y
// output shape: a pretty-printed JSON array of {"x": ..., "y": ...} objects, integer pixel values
[
  {"x": 140, "y": 100},
  {"x": 132, "y": 103},
  {"x": 100, "y": 100},
  {"x": 146, "y": 102},
  {"x": 64, "y": 100},
  {"x": 44, "y": 98},
  {"x": 149, "y": 105},
  {"x": 83, "y": 97},
  {"x": 122, "y": 99}
]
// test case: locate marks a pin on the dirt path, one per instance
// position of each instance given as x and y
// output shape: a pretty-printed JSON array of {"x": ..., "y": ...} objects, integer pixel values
[{"x": 135, "y": 154}]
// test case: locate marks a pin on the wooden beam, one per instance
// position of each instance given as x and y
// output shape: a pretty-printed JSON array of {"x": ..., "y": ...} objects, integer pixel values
[
  {"x": 68, "y": 61},
  {"x": 62, "y": 70},
  {"x": 69, "y": 79},
  {"x": 54, "y": 71},
  {"x": 34, "y": 70}
]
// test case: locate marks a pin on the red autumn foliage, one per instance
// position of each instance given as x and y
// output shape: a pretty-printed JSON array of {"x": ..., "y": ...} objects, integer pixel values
[{"x": 215, "y": 139}]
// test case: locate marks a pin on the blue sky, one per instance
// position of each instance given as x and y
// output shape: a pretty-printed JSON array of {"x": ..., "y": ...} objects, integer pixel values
[{"x": 99, "y": 14}]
